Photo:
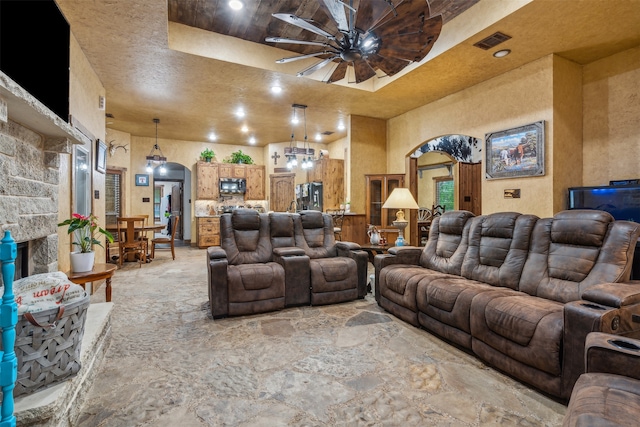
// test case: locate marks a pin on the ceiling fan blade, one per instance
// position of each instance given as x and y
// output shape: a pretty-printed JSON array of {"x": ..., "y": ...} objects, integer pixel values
[
  {"x": 336, "y": 10},
  {"x": 372, "y": 12},
  {"x": 301, "y": 23},
  {"x": 292, "y": 41},
  {"x": 412, "y": 46},
  {"x": 363, "y": 70},
  {"x": 339, "y": 72},
  {"x": 390, "y": 66},
  {"x": 315, "y": 67},
  {"x": 407, "y": 10},
  {"x": 297, "y": 58}
]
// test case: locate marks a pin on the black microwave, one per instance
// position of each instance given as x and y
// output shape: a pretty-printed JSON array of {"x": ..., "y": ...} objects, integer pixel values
[{"x": 233, "y": 185}]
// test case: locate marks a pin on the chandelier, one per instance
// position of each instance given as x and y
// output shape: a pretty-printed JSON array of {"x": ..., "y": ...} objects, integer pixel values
[
  {"x": 292, "y": 152},
  {"x": 156, "y": 156}
]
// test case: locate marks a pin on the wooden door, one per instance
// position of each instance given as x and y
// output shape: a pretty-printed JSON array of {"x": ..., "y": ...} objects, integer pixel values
[
  {"x": 176, "y": 207},
  {"x": 470, "y": 187},
  {"x": 282, "y": 191}
]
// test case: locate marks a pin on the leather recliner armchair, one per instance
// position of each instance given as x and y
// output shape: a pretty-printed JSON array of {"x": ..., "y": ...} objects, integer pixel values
[
  {"x": 243, "y": 279},
  {"x": 334, "y": 268}
]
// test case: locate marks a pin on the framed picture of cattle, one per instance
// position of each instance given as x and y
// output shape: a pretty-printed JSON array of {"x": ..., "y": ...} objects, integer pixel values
[{"x": 515, "y": 153}]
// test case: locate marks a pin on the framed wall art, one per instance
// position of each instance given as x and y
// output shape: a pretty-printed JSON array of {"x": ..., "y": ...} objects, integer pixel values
[
  {"x": 515, "y": 153},
  {"x": 101, "y": 156},
  {"x": 142, "y": 180}
]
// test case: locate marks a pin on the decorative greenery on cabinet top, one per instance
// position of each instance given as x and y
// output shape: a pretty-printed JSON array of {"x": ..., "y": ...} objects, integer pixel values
[{"x": 238, "y": 157}]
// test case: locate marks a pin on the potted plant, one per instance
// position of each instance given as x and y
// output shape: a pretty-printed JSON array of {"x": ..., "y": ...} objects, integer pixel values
[
  {"x": 207, "y": 155},
  {"x": 239, "y": 157},
  {"x": 85, "y": 229}
]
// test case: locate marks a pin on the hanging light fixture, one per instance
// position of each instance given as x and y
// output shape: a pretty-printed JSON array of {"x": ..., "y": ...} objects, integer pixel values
[
  {"x": 292, "y": 152},
  {"x": 156, "y": 156}
]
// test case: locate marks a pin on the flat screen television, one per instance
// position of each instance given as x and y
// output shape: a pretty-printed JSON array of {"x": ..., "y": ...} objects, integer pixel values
[
  {"x": 34, "y": 51},
  {"x": 621, "y": 201}
]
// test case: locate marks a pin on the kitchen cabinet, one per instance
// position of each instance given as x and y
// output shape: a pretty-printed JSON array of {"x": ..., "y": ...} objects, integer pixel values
[
  {"x": 208, "y": 231},
  {"x": 330, "y": 172},
  {"x": 207, "y": 181},
  {"x": 378, "y": 188},
  {"x": 255, "y": 182},
  {"x": 224, "y": 170},
  {"x": 232, "y": 170}
]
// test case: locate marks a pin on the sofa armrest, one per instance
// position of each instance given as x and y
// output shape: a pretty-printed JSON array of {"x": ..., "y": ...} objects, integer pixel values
[
  {"x": 288, "y": 251},
  {"x": 614, "y": 294},
  {"x": 349, "y": 246},
  {"x": 612, "y": 354},
  {"x": 397, "y": 255},
  {"x": 216, "y": 252},
  {"x": 297, "y": 276},
  {"x": 217, "y": 264}
]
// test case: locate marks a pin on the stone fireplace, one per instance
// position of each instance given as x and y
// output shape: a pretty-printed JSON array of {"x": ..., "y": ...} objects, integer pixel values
[{"x": 31, "y": 141}]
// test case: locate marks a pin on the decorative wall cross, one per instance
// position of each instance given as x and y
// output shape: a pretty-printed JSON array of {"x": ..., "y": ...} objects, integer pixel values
[{"x": 275, "y": 157}]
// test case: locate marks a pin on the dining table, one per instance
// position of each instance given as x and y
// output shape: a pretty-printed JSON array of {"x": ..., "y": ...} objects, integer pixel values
[{"x": 113, "y": 229}]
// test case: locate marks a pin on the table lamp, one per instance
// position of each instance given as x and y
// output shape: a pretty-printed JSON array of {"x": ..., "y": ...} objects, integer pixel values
[{"x": 400, "y": 198}]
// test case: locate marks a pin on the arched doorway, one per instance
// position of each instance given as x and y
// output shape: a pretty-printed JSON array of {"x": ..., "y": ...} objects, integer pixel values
[
  {"x": 446, "y": 171},
  {"x": 170, "y": 198}
]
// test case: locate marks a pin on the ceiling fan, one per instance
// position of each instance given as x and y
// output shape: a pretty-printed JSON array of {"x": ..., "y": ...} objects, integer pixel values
[{"x": 384, "y": 35}]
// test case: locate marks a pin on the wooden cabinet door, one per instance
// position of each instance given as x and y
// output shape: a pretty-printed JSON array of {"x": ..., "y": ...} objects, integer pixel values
[
  {"x": 255, "y": 183},
  {"x": 239, "y": 171},
  {"x": 470, "y": 187},
  {"x": 282, "y": 191},
  {"x": 379, "y": 187},
  {"x": 224, "y": 170},
  {"x": 207, "y": 181},
  {"x": 333, "y": 184}
]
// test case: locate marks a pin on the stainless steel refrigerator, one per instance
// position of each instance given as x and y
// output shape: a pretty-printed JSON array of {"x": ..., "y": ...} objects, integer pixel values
[{"x": 309, "y": 196}]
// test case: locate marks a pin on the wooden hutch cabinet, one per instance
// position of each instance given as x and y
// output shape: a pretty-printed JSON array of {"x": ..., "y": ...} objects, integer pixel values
[{"x": 378, "y": 188}]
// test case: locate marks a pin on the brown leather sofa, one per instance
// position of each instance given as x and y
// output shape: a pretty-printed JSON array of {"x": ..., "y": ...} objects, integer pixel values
[
  {"x": 608, "y": 394},
  {"x": 267, "y": 262},
  {"x": 520, "y": 292}
]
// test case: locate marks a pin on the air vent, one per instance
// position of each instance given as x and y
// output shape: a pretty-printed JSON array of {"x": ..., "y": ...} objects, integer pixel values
[
  {"x": 492, "y": 41},
  {"x": 327, "y": 132}
]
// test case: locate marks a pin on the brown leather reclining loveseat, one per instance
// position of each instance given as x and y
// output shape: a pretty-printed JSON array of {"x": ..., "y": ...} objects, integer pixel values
[
  {"x": 520, "y": 292},
  {"x": 267, "y": 262}
]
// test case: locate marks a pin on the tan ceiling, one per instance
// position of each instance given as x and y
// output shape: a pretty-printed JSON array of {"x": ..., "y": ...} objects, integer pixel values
[{"x": 127, "y": 44}]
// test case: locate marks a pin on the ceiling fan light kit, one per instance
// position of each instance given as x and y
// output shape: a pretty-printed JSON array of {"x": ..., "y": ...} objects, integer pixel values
[{"x": 384, "y": 35}]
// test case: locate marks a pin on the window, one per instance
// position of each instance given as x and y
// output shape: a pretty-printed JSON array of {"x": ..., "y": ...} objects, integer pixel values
[
  {"x": 444, "y": 192},
  {"x": 113, "y": 196},
  {"x": 82, "y": 185}
]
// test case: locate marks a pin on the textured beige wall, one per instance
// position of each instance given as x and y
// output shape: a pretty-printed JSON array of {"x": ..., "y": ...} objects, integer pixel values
[
  {"x": 84, "y": 91},
  {"x": 565, "y": 161},
  {"x": 513, "y": 99},
  {"x": 611, "y": 93},
  {"x": 368, "y": 155}
]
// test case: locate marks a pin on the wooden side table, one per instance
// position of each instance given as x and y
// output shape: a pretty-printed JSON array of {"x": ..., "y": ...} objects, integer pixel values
[{"x": 99, "y": 272}]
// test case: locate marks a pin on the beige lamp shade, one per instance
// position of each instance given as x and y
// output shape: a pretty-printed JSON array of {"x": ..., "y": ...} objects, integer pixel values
[{"x": 400, "y": 198}]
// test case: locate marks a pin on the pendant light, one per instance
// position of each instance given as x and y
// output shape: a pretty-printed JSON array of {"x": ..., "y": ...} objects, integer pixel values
[{"x": 156, "y": 156}]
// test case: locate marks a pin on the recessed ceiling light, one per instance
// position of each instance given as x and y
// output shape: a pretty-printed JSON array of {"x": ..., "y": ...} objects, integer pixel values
[
  {"x": 340, "y": 126},
  {"x": 235, "y": 4},
  {"x": 502, "y": 53},
  {"x": 252, "y": 140},
  {"x": 244, "y": 129},
  {"x": 276, "y": 89},
  {"x": 212, "y": 136},
  {"x": 240, "y": 112},
  {"x": 318, "y": 137}
]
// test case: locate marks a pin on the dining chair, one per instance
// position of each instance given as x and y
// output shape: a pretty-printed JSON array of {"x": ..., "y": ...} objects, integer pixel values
[
  {"x": 166, "y": 240},
  {"x": 133, "y": 239},
  {"x": 425, "y": 215},
  {"x": 338, "y": 218}
]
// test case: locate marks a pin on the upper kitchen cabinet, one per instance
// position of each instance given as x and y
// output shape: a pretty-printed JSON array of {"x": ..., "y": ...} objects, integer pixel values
[
  {"x": 256, "y": 188},
  {"x": 331, "y": 173},
  {"x": 207, "y": 181}
]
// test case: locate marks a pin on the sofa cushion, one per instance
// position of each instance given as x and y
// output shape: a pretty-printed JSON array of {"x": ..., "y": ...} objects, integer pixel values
[
  {"x": 522, "y": 327},
  {"x": 447, "y": 244},
  {"x": 281, "y": 230},
  {"x": 255, "y": 282},
  {"x": 244, "y": 235},
  {"x": 314, "y": 234},
  {"x": 575, "y": 250},
  {"x": 497, "y": 249},
  {"x": 603, "y": 400}
]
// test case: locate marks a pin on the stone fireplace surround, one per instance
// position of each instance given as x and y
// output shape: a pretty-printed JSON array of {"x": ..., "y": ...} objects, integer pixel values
[{"x": 31, "y": 141}]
